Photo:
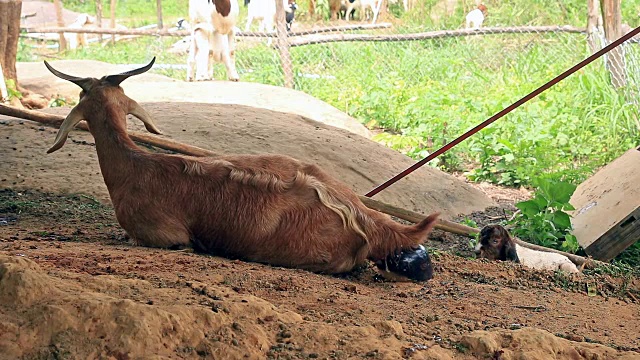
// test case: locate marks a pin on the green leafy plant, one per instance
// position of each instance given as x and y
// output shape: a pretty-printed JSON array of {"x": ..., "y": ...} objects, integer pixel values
[
  {"x": 12, "y": 89},
  {"x": 59, "y": 101},
  {"x": 476, "y": 237},
  {"x": 544, "y": 220}
]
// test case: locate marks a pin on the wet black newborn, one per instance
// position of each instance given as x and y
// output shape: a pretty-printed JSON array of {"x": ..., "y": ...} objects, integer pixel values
[{"x": 409, "y": 264}]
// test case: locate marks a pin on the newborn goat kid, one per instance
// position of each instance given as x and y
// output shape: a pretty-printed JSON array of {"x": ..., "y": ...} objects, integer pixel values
[
  {"x": 496, "y": 244},
  {"x": 265, "y": 208}
]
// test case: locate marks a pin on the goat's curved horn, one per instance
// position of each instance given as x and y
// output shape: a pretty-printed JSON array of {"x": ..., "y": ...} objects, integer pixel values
[
  {"x": 82, "y": 82},
  {"x": 68, "y": 124},
  {"x": 136, "y": 110},
  {"x": 118, "y": 78}
]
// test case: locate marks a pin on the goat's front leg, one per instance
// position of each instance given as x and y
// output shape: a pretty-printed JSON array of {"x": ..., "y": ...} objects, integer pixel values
[
  {"x": 247, "y": 27},
  {"x": 201, "y": 57}
]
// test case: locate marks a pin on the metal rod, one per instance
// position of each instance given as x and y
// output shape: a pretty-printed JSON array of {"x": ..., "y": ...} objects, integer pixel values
[{"x": 505, "y": 111}]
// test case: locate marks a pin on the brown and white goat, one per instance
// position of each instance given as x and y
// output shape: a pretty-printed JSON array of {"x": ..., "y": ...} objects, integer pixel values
[
  {"x": 212, "y": 38},
  {"x": 363, "y": 7},
  {"x": 264, "y": 208},
  {"x": 496, "y": 244},
  {"x": 475, "y": 17}
]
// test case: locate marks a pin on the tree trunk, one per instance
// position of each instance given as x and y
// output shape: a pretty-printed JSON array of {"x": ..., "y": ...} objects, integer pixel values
[
  {"x": 594, "y": 25},
  {"x": 99, "y": 17},
  {"x": 312, "y": 9},
  {"x": 9, "y": 32},
  {"x": 159, "y": 13},
  {"x": 62, "y": 44},
  {"x": 113, "y": 19}
]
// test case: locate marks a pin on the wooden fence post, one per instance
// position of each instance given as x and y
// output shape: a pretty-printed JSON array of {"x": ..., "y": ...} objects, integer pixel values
[
  {"x": 62, "y": 44},
  {"x": 99, "y": 17},
  {"x": 159, "y": 12},
  {"x": 312, "y": 9},
  {"x": 613, "y": 31},
  {"x": 594, "y": 24},
  {"x": 113, "y": 19},
  {"x": 283, "y": 45}
]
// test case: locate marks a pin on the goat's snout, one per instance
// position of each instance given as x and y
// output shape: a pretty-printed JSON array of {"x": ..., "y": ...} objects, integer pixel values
[
  {"x": 478, "y": 249},
  {"x": 412, "y": 264}
]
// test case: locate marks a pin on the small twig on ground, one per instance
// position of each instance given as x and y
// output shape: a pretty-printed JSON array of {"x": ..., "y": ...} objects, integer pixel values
[
  {"x": 89, "y": 198},
  {"x": 513, "y": 216},
  {"x": 529, "y": 307}
]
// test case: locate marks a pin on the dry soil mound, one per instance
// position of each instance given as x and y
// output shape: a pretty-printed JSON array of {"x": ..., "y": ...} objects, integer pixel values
[
  {"x": 357, "y": 161},
  {"x": 35, "y": 77},
  {"x": 78, "y": 316}
]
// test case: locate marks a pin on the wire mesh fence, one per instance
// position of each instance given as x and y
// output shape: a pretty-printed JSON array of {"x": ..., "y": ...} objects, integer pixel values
[
  {"x": 419, "y": 83},
  {"x": 347, "y": 67}
]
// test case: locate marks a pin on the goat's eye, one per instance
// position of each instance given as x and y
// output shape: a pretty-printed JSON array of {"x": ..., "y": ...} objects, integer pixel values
[{"x": 494, "y": 241}]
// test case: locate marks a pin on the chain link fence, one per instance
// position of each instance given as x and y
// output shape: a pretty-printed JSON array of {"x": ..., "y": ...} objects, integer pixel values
[
  {"x": 413, "y": 67},
  {"x": 351, "y": 63}
]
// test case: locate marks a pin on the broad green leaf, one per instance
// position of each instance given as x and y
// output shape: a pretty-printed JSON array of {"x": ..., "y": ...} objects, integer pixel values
[
  {"x": 570, "y": 244},
  {"x": 529, "y": 208},
  {"x": 542, "y": 202},
  {"x": 561, "y": 191},
  {"x": 562, "y": 220},
  {"x": 508, "y": 157}
]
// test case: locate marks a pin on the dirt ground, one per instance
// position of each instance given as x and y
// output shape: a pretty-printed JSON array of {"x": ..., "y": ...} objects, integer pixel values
[{"x": 72, "y": 286}]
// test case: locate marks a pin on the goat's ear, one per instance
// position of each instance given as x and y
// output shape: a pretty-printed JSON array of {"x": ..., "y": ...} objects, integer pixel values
[
  {"x": 67, "y": 125},
  {"x": 136, "y": 110}
]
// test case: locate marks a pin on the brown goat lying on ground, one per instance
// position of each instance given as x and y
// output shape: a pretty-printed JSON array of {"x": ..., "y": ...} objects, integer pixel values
[
  {"x": 496, "y": 244},
  {"x": 265, "y": 208}
]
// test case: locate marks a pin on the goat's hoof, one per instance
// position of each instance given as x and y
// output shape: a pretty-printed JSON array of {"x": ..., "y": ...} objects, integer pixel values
[{"x": 234, "y": 79}]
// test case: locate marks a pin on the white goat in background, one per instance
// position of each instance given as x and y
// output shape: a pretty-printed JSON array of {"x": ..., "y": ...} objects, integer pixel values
[
  {"x": 265, "y": 11},
  {"x": 74, "y": 40},
  {"x": 475, "y": 18}
]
